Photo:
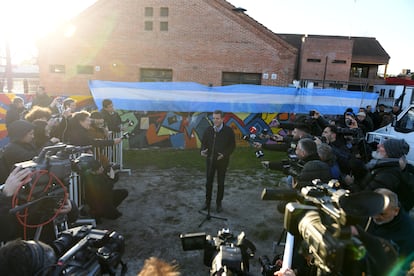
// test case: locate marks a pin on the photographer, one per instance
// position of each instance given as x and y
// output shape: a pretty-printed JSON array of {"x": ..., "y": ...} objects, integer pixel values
[
  {"x": 62, "y": 123},
  {"x": 311, "y": 165},
  {"x": 100, "y": 195},
  {"x": 348, "y": 164},
  {"x": 79, "y": 132},
  {"x": 21, "y": 147},
  {"x": 15, "y": 111},
  {"x": 112, "y": 119},
  {"x": 385, "y": 170},
  {"x": 11, "y": 228},
  {"x": 26, "y": 258},
  {"x": 393, "y": 224}
]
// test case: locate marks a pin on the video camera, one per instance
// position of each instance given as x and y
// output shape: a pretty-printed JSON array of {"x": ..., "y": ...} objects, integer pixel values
[
  {"x": 86, "y": 251},
  {"x": 224, "y": 253},
  {"x": 51, "y": 174},
  {"x": 256, "y": 137},
  {"x": 322, "y": 217},
  {"x": 292, "y": 165},
  {"x": 57, "y": 159}
]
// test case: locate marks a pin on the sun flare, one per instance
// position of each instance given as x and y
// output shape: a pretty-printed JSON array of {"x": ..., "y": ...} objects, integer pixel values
[{"x": 24, "y": 21}]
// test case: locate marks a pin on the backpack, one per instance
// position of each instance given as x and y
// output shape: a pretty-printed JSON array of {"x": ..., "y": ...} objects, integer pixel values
[{"x": 407, "y": 187}]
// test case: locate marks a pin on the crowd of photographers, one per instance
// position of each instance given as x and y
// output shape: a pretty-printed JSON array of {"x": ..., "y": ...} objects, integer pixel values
[
  {"x": 324, "y": 149},
  {"x": 53, "y": 122}
]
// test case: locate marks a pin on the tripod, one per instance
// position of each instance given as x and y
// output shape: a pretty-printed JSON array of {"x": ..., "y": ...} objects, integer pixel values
[{"x": 208, "y": 216}]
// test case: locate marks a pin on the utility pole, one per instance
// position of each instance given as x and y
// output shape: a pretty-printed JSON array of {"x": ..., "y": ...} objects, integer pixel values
[{"x": 9, "y": 77}]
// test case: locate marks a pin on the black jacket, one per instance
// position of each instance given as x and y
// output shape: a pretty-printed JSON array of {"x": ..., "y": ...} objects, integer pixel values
[
  {"x": 112, "y": 120},
  {"x": 16, "y": 152},
  {"x": 399, "y": 231},
  {"x": 13, "y": 114},
  {"x": 313, "y": 168},
  {"x": 80, "y": 136},
  {"x": 219, "y": 142}
]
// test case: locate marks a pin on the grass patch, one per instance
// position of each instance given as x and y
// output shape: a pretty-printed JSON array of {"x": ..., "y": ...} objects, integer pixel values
[{"x": 243, "y": 158}]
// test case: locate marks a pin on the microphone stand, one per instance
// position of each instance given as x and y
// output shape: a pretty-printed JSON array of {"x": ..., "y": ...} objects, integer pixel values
[{"x": 209, "y": 171}]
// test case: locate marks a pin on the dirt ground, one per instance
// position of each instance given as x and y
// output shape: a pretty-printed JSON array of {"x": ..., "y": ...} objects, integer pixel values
[{"x": 162, "y": 204}]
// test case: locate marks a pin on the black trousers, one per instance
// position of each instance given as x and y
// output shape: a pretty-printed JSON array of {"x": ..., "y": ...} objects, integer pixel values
[{"x": 213, "y": 166}]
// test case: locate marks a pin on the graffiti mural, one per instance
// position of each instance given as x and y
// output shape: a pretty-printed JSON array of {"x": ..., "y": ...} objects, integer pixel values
[
  {"x": 185, "y": 130},
  {"x": 181, "y": 130}
]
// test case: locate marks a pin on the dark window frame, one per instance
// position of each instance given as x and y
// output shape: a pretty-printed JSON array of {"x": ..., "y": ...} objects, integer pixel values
[
  {"x": 149, "y": 12},
  {"x": 57, "y": 68},
  {"x": 229, "y": 78},
  {"x": 164, "y": 12},
  {"x": 313, "y": 60},
  {"x": 148, "y": 25},
  {"x": 164, "y": 26},
  {"x": 84, "y": 69},
  {"x": 155, "y": 74}
]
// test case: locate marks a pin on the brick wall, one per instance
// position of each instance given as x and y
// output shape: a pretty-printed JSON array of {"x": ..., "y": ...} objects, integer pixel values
[
  {"x": 327, "y": 50},
  {"x": 204, "y": 39}
]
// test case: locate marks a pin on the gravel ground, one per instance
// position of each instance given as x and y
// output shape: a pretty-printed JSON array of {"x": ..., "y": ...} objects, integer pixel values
[{"x": 162, "y": 204}]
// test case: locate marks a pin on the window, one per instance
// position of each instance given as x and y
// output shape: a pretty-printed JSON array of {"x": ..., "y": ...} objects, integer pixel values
[
  {"x": 391, "y": 93},
  {"x": 340, "y": 61},
  {"x": 163, "y": 12},
  {"x": 57, "y": 68},
  {"x": 407, "y": 121},
  {"x": 313, "y": 60},
  {"x": 229, "y": 78},
  {"x": 149, "y": 11},
  {"x": 147, "y": 75},
  {"x": 163, "y": 26},
  {"x": 382, "y": 92},
  {"x": 148, "y": 25},
  {"x": 359, "y": 71},
  {"x": 84, "y": 69},
  {"x": 336, "y": 85}
]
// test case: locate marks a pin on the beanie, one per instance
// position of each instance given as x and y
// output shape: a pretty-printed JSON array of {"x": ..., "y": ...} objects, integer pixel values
[
  {"x": 18, "y": 129},
  {"x": 396, "y": 148}
]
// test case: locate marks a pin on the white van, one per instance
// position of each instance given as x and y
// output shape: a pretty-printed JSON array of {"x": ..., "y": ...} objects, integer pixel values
[{"x": 401, "y": 128}]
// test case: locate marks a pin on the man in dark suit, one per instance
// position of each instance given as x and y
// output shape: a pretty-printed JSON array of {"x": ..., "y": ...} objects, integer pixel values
[{"x": 217, "y": 144}]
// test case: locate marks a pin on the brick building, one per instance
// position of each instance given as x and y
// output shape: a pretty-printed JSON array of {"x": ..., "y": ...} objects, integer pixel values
[
  {"x": 341, "y": 62},
  {"x": 206, "y": 41}
]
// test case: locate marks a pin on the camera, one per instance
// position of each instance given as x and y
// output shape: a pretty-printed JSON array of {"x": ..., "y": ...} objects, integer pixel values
[
  {"x": 224, "y": 253},
  {"x": 128, "y": 122},
  {"x": 268, "y": 267},
  {"x": 321, "y": 216},
  {"x": 57, "y": 160},
  {"x": 292, "y": 166},
  {"x": 126, "y": 135},
  {"x": 51, "y": 171},
  {"x": 84, "y": 250}
]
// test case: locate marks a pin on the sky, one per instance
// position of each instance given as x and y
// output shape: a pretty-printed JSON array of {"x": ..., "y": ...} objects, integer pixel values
[{"x": 390, "y": 22}]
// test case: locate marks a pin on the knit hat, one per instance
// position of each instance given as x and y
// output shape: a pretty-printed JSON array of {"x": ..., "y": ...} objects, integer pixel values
[
  {"x": 18, "y": 129},
  {"x": 396, "y": 148}
]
